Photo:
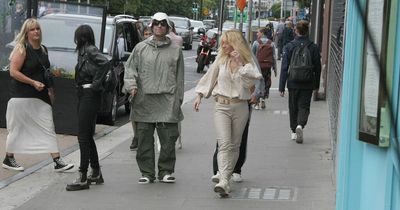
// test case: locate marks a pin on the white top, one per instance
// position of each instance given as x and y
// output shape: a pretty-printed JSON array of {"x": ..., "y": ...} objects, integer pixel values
[{"x": 221, "y": 81}]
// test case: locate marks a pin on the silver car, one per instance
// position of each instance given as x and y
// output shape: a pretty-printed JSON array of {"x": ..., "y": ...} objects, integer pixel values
[{"x": 184, "y": 29}]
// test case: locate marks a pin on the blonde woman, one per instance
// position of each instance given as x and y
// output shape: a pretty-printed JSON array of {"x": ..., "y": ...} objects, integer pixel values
[
  {"x": 29, "y": 115},
  {"x": 229, "y": 81}
]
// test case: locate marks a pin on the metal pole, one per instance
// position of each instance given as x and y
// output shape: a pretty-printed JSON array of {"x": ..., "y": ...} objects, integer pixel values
[
  {"x": 201, "y": 10},
  {"x": 241, "y": 22},
  {"x": 282, "y": 9},
  {"x": 221, "y": 17},
  {"x": 235, "y": 18},
  {"x": 250, "y": 17},
  {"x": 259, "y": 12}
]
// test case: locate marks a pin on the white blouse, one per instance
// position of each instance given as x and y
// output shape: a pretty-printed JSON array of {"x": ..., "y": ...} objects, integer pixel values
[{"x": 219, "y": 80}]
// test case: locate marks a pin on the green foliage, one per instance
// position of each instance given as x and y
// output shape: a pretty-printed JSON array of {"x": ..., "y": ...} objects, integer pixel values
[
  {"x": 304, "y": 4},
  {"x": 276, "y": 10}
]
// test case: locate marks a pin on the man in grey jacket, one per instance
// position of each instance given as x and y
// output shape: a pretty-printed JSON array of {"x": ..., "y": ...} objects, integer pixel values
[{"x": 154, "y": 76}]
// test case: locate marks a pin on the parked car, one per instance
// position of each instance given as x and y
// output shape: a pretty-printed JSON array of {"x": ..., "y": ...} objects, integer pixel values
[
  {"x": 198, "y": 27},
  {"x": 120, "y": 38},
  {"x": 209, "y": 24},
  {"x": 146, "y": 20},
  {"x": 184, "y": 29}
]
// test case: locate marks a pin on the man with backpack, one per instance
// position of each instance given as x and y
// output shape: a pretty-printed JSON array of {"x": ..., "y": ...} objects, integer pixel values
[
  {"x": 264, "y": 50},
  {"x": 301, "y": 68}
]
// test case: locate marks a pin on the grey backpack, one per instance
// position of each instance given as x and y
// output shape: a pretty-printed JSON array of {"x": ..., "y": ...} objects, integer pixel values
[{"x": 301, "y": 68}]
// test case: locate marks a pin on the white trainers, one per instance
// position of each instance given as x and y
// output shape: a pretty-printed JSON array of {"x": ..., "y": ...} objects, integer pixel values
[
  {"x": 215, "y": 178},
  {"x": 223, "y": 189},
  {"x": 293, "y": 136},
  {"x": 299, "y": 133},
  {"x": 168, "y": 179},
  {"x": 236, "y": 177},
  {"x": 256, "y": 107}
]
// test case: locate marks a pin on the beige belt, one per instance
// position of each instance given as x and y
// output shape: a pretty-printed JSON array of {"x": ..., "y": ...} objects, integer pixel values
[{"x": 226, "y": 100}]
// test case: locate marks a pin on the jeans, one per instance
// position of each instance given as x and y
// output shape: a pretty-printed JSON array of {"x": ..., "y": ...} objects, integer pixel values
[{"x": 88, "y": 104}]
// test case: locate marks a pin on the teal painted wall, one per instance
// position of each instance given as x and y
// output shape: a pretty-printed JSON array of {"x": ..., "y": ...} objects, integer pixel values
[{"x": 367, "y": 176}]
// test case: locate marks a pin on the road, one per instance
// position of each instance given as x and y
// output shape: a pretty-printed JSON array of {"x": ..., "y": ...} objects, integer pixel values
[{"x": 191, "y": 79}]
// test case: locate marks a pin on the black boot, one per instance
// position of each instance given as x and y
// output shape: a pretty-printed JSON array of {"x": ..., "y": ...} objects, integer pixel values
[
  {"x": 96, "y": 176},
  {"x": 80, "y": 183}
]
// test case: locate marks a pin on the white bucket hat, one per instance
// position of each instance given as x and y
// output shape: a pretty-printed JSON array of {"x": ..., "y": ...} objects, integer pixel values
[{"x": 159, "y": 16}]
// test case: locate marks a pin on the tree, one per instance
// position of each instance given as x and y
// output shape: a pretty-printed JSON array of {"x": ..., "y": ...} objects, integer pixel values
[
  {"x": 276, "y": 10},
  {"x": 304, "y": 4}
]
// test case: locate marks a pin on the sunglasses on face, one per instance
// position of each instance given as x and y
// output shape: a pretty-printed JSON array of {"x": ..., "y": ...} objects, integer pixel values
[
  {"x": 35, "y": 29},
  {"x": 163, "y": 23}
]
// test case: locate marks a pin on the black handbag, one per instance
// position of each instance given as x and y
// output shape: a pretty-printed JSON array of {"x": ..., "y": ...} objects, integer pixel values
[{"x": 47, "y": 75}]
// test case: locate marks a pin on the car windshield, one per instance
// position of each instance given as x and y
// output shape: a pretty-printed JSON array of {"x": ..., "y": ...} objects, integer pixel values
[
  {"x": 63, "y": 37},
  {"x": 180, "y": 22}
]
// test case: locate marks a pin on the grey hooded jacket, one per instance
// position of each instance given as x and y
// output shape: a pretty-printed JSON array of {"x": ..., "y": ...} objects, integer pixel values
[{"x": 156, "y": 69}]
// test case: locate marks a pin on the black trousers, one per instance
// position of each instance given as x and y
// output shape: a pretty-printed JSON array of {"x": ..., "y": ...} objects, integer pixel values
[
  {"x": 299, "y": 107},
  {"x": 242, "y": 150},
  {"x": 88, "y": 104}
]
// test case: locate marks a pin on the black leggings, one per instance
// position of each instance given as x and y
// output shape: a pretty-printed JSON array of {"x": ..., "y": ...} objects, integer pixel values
[{"x": 88, "y": 105}]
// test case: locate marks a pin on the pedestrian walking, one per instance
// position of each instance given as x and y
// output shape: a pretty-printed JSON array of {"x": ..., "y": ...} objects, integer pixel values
[
  {"x": 154, "y": 76},
  {"x": 287, "y": 34},
  {"x": 29, "y": 113},
  {"x": 229, "y": 80},
  {"x": 301, "y": 77},
  {"x": 278, "y": 36},
  {"x": 133, "y": 147},
  {"x": 90, "y": 72},
  {"x": 264, "y": 50},
  {"x": 237, "y": 171}
]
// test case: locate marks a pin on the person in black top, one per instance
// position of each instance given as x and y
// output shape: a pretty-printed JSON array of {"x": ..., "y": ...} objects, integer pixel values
[
  {"x": 29, "y": 114},
  {"x": 299, "y": 92},
  {"x": 287, "y": 34},
  {"x": 90, "y": 70}
]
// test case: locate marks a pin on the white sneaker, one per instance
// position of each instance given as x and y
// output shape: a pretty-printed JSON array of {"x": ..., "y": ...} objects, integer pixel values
[
  {"x": 236, "y": 177},
  {"x": 256, "y": 107},
  {"x": 215, "y": 178},
  {"x": 223, "y": 189},
  {"x": 293, "y": 136},
  {"x": 299, "y": 133}
]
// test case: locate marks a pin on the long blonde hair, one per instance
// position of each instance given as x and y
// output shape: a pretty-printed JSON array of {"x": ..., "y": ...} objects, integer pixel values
[
  {"x": 22, "y": 37},
  {"x": 235, "y": 38}
]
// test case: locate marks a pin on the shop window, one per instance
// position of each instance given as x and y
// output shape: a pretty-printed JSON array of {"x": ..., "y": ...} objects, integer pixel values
[{"x": 373, "y": 114}]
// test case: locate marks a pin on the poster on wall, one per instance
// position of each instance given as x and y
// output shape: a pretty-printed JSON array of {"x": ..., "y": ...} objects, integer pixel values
[{"x": 374, "y": 57}]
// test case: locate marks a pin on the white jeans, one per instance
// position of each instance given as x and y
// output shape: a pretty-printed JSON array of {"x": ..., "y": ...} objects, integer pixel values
[{"x": 230, "y": 121}]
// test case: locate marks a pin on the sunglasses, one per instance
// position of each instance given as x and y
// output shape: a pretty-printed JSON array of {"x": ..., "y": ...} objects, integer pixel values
[{"x": 156, "y": 23}]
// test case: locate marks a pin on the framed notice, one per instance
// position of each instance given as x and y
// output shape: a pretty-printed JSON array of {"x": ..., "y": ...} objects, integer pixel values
[{"x": 373, "y": 71}]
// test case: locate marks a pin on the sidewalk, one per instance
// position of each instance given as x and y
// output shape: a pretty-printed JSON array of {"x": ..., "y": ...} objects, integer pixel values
[{"x": 278, "y": 173}]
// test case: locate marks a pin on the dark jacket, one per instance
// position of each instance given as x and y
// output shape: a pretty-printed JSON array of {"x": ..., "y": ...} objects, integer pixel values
[
  {"x": 287, "y": 55},
  {"x": 287, "y": 36},
  {"x": 91, "y": 68}
]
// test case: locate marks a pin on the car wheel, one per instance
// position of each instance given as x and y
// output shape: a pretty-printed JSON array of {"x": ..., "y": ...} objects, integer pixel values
[{"x": 111, "y": 116}]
